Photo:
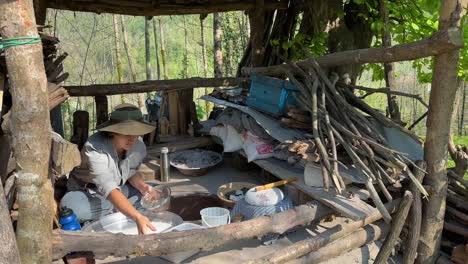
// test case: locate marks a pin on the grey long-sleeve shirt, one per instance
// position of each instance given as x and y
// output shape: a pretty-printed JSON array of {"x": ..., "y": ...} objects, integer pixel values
[{"x": 101, "y": 166}]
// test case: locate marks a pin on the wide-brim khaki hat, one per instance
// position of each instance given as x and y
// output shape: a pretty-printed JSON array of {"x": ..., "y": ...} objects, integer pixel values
[{"x": 126, "y": 119}]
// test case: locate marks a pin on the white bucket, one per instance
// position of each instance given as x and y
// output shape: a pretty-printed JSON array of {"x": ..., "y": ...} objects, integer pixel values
[{"x": 215, "y": 216}]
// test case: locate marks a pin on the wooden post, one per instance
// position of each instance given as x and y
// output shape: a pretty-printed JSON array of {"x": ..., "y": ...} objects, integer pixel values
[
  {"x": 8, "y": 249},
  {"x": 30, "y": 130},
  {"x": 443, "y": 90},
  {"x": 257, "y": 25},
  {"x": 80, "y": 128},
  {"x": 397, "y": 225},
  {"x": 40, "y": 11},
  {"x": 101, "y": 109}
]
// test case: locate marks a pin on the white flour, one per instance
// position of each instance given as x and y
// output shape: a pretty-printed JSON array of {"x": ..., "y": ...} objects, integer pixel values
[{"x": 130, "y": 228}]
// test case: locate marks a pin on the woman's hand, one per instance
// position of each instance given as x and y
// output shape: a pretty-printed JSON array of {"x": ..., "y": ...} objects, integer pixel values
[{"x": 143, "y": 223}]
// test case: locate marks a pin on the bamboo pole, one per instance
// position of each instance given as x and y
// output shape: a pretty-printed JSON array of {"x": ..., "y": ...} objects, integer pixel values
[{"x": 30, "y": 130}]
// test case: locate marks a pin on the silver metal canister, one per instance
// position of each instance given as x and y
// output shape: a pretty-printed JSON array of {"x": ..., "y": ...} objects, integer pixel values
[{"x": 164, "y": 166}]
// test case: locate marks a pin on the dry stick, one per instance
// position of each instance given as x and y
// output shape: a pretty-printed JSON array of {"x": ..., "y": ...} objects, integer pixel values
[
  {"x": 336, "y": 176},
  {"x": 366, "y": 171},
  {"x": 456, "y": 177},
  {"x": 411, "y": 246},
  {"x": 382, "y": 186},
  {"x": 457, "y": 214},
  {"x": 397, "y": 225},
  {"x": 303, "y": 247}
]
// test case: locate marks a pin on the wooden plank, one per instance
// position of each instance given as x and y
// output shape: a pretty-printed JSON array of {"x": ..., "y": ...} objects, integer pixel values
[
  {"x": 184, "y": 143},
  {"x": 353, "y": 208}
]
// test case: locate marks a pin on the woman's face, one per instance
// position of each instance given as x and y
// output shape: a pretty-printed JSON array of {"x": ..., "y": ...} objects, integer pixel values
[{"x": 124, "y": 142}]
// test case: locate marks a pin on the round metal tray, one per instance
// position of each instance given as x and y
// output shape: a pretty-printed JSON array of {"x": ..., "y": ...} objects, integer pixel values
[{"x": 119, "y": 223}]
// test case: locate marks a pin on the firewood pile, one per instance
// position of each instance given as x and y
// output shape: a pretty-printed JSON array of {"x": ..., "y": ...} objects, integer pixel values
[
  {"x": 338, "y": 122},
  {"x": 456, "y": 219}
]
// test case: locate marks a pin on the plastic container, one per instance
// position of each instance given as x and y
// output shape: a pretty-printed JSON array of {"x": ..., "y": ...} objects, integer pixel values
[
  {"x": 271, "y": 95},
  {"x": 215, "y": 216},
  {"x": 68, "y": 220},
  {"x": 179, "y": 257}
]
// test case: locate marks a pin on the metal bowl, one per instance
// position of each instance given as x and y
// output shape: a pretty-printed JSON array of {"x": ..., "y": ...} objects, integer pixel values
[
  {"x": 205, "y": 160},
  {"x": 119, "y": 223}
]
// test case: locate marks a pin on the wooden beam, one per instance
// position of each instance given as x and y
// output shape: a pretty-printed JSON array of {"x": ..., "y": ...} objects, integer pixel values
[
  {"x": 135, "y": 8},
  {"x": 150, "y": 86},
  {"x": 105, "y": 244},
  {"x": 440, "y": 42}
]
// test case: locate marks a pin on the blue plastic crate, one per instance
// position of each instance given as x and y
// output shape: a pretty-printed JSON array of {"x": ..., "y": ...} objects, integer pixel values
[{"x": 271, "y": 95}]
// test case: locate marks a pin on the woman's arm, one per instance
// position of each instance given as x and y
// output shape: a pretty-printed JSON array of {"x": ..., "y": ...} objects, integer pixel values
[
  {"x": 125, "y": 207},
  {"x": 139, "y": 183}
]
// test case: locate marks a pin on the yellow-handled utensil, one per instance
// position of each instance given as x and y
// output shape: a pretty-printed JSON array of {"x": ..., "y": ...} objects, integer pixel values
[{"x": 274, "y": 184}]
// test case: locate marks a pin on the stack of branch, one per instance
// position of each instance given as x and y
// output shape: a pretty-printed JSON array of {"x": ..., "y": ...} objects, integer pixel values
[
  {"x": 297, "y": 152},
  {"x": 456, "y": 219},
  {"x": 338, "y": 120}
]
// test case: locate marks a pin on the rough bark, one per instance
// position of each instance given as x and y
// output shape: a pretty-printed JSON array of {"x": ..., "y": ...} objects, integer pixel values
[
  {"x": 303, "y": 247},
  {"x": 444, "y": 87},
  {"x": 441, "y": 42},
  {"x": 397, "y": 225},
  {"x": 411, "y": 244},
  {"x": 357, "y": 239},
  {"x": 217, "y": 41},
  {"x": 104, "y": 245},
  {"x": 30, "y": 129},
  {"x": 257, "y": 26},
  {"x": 8, "y": 249},
  {"x": 139, "y": 8}
]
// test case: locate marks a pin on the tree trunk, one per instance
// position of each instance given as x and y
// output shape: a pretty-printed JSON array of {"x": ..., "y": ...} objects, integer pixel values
[
  {"x": 163, "y": 49},
  {"x": 458, "y": 155},
  {"x": 103, "y": 245},
  {"x": 444, "y": 87},
  {"x": 30, "y": 128},
  {"x": 461, "y": 120},
  {"x": 8, "y": 249},
  {"x": 208, "y": 105},
  {"x": 147, "y": 49},
  {"x": 141, "y": 99},
  {"x": 257, "y": 25},
  {"x": 390, "y": 79},
  {"x": 217, "y": 41},
  {"x": 156, "y": 49},
  {"x": 118, "y": 56}
]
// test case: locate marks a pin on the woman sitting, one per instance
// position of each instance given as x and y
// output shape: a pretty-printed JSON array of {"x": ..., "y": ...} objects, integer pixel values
[{"x": 108, "y": 177}]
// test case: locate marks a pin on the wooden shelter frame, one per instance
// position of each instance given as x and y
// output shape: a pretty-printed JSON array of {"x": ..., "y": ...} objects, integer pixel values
[{"x": 443, "y": 44}]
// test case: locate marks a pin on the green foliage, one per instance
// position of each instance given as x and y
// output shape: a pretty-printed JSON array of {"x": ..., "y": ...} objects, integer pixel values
[
  {"x": 412, "y": 21},
  {"x": 201, "y": 111}
]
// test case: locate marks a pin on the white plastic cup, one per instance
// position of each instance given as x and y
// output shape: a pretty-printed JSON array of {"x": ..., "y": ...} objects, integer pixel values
[{"x": 215, "y": 216}]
